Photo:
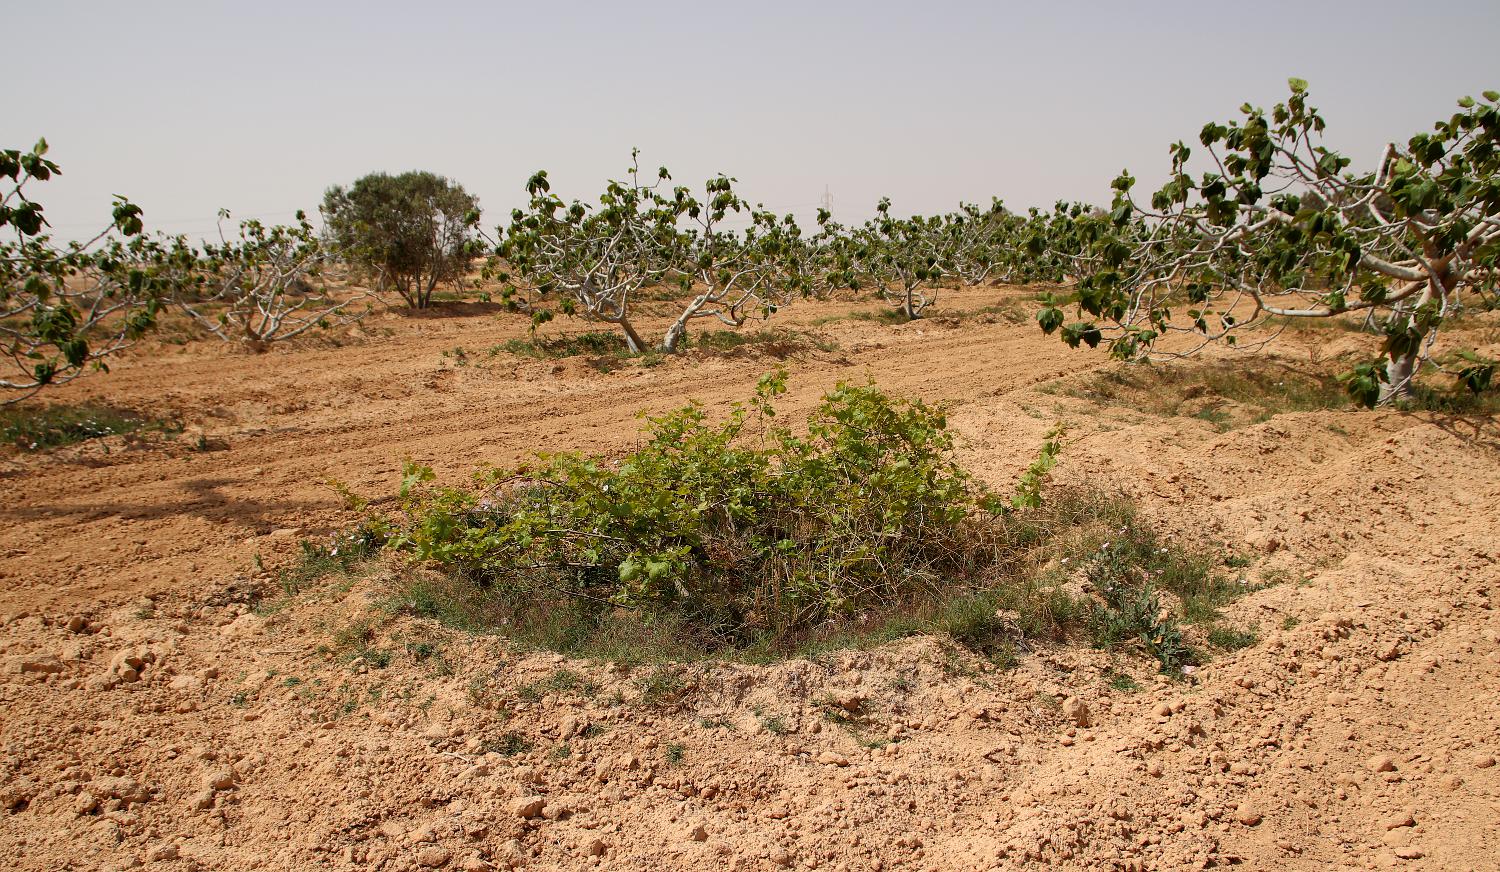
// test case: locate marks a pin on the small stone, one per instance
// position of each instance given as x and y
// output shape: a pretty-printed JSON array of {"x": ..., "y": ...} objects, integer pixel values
[
  {"x": 698, "y": 833},
  {"x": 833, "y": 759},
  {"x": 1389, "y": 652},
  {"x": 1247, "y": 814},
  {"x": 1381, "y": 763},
  {"x": 77, "y": 624},
  {"x": 1076, "y": 711},
  {"x": 45, "y": 664},
  {"x": 1403, "y": 818},
  {"x": 1484, "y": 761},
  {"x": 221, "y": 779},
  {"x": 161, "y": 853},
  {"x": 1408, "y": 853},
  {"x": 203, "y": 799},
  {"x": 432, "y": 857},
  {"x": 528, "y": 806},
  {"x": 188, "y": 683},
  {"x": 849, "y": 701},
  {"x": 597, "y": 848}
]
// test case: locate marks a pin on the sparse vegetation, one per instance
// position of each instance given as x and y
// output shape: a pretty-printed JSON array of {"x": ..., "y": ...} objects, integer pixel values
[
  {"x": 1231, "y": 639},
  {"x": 509, "y": 744},
  {"x": 663, "y": 685},
  {"x": 1224, "y": 394},
  {"x": 343, "y": 552},
  {"x": 40, "y": 428}
]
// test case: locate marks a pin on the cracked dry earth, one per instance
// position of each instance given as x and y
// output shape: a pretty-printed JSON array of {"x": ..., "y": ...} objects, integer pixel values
[{"x": 163, "y": 709}]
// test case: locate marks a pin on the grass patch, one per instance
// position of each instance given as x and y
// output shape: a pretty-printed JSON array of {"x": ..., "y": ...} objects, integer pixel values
[
  {"x": 775, "y": 343},
  {"x": 1231, "y": 639},
  {"x": 41, "y": 428},
  {"x": 1225, "y": 394},
  {"x": 340, "y": 556},
  {"x": 1010, "y": 311},
  {"x": 1457, "y": 401},
  {"x": 890, "y": 317},
  {"x": 563, "y": 682},
  {"x": 509, "y": 744},
  {"x": 661, "y": 686},
  {"x": 594, "y": 342},
  {"x": 1229, "y": 394}
]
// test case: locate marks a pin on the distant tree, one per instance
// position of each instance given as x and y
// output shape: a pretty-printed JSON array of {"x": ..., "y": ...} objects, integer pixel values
[
  {"x": 266, "y": 284},
  {"x": 67, "y": 306},
  {"x": 411, "y": 232}
]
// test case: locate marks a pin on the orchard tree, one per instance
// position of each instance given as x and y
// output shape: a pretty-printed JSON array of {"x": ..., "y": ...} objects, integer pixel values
[
  {"x": 598, "y": 259},
  {"x": 983, "y": 241},
  {"x": 266, "y": 284},
  {"x": 736, "y": 274},
  {"x": 410, "y": 232},
  {"x": 905, "y": 258},
  {"x": 1278, "y": 226},
  {"x": 65, "y": 307}
]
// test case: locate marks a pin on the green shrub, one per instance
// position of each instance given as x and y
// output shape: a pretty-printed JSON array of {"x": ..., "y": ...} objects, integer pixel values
[
  {"x": 741, "y": 532},
  {"x": 749, "y": 540}
]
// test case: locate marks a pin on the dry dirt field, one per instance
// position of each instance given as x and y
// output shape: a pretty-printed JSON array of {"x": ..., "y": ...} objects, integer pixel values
[{"x": 161, "y": 706}]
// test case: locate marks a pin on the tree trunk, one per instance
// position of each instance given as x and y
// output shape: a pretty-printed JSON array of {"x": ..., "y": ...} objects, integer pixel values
[
  {"x": 1400, "y": 373},
  {"x": 675, "y": 334},
  {"x": 632, "y": 339},
  {"x": 678, "y": 330}
]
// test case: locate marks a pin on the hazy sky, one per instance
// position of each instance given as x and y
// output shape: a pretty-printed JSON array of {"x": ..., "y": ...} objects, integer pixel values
[{"x": 259, "y": 105}]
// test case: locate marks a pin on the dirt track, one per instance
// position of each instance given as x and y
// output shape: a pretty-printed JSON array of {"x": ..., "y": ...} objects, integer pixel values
[{"x": 1372, "y": 697}]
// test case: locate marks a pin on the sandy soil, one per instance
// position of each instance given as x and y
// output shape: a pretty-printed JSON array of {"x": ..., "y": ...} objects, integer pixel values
[{"x": 151, "y": 716}]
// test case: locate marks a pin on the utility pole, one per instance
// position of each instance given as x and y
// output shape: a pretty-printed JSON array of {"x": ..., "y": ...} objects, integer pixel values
[{"x": 827, "y": 201}]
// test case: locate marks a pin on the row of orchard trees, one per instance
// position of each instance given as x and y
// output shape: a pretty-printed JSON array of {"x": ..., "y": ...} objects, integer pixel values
[
  {"x": 67, "y": 306},
  {"x": 1264, "y": 225}
]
